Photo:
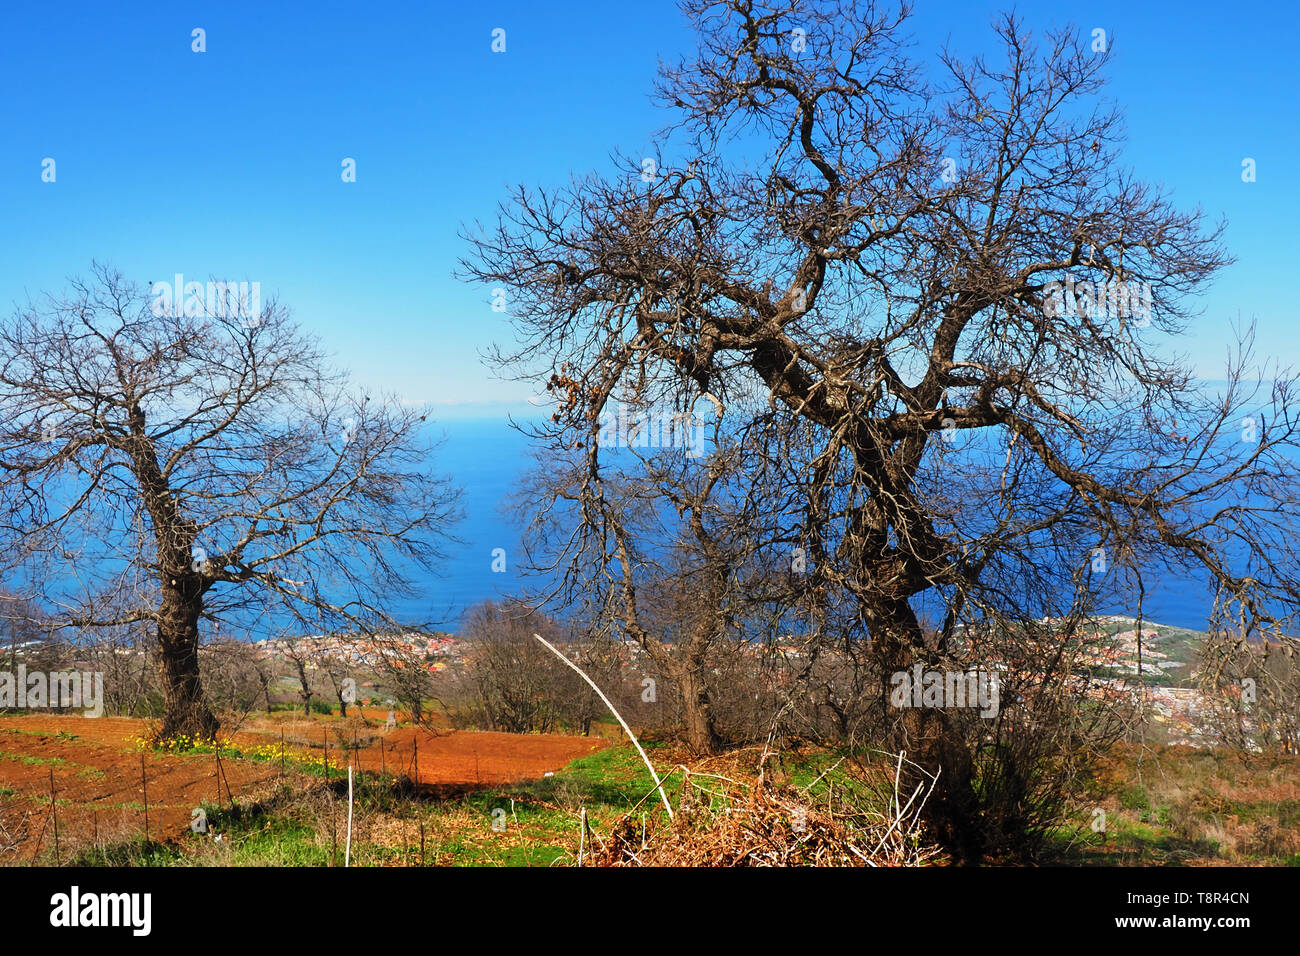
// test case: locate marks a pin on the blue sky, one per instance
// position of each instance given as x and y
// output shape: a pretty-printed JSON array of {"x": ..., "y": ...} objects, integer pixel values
[{"x": 227, "y": 163}]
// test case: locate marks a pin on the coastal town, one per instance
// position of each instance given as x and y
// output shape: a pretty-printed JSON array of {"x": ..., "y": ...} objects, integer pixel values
[{"x": 1151, "y": 664}]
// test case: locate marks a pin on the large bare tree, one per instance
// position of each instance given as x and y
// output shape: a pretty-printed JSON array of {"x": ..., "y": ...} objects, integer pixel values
[
  {"x": 942, "y": 313},
  {"x": 161, "y": 467}
]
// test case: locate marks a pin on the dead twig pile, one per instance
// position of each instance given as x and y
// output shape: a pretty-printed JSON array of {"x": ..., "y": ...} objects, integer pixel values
[{"x": 720, "y": 821}]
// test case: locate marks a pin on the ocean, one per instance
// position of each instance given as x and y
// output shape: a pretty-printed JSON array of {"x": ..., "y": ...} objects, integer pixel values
[{"x": 486, "y": 458}]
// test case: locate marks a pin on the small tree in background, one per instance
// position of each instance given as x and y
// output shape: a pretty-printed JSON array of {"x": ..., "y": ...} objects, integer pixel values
[{"x": 1251, "y": 692}]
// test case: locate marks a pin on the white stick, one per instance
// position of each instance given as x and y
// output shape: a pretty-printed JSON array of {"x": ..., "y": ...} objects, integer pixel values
[
  {"x": 628, "y": 730},
  {"x": 347, "y": 849},
  {"x": 582, "y": 834}
]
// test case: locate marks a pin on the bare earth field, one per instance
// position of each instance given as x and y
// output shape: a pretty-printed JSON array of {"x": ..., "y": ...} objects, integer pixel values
[{"x": 94, "y": 766}]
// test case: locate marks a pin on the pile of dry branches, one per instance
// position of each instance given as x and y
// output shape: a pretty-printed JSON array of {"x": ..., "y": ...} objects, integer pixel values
[{"x": 720, "y": 821}]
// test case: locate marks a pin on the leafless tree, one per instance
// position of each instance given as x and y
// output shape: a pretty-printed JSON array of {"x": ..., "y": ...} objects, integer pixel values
[
  {"x": 234, "y": 678},
  {"x": 300, "y": 652},
  {"x": 937, "y": 311},
  {"x": 167, "y": 466},
  {"x": 405, "y": 673},
  {"x": 655, "y": 556},
  {"x": 23, "y": 625},
  {"x": 264, "y": 671},
  {"x": 1250, "y": 691},
  {"x": 337, "y": 670},
  {"x": 608, "y": 663},
  {"x": 518, "y": 684}
]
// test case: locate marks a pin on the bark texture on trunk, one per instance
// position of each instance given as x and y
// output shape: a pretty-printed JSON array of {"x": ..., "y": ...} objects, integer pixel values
[
  {"x": 932, "y": 739},
  {"x": 686, "y": 665},
  {"x": 186, "y": 711},
  {"x": 701, "y": 728}
]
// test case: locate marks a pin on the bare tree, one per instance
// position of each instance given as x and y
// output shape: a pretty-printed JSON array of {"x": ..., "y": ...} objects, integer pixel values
[
  {"x": 936, "y": 307},
  {"x": 337, "y": 669},
  {"x": 165, "y": 466},
  {"x": 605, "y": 662},
  {"x": 131, "y": 678},
  {"x": 299, "y": 652},
  {"x": 405, "y": 673},
  {"x": 233, "y": 677},
  {"x": 658, "y": 558},
  {"x": 264, "y": 671},
  {"x": 23, "y": 625},
  {"x": 1250, "y": 692},
  {"x": 518, "y": 685}
]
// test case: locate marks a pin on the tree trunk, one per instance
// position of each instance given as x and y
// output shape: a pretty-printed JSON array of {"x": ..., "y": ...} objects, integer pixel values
[
  {"x": 701, "y": 729},
  {"x": 185, "y": 708},
  {"x": 933, "y": 739},
  {"x": 305, "y": 693},
  {"x": 952, "y": 813}
]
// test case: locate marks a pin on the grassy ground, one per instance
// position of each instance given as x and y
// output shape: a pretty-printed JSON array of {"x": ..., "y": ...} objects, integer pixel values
[
  {"x": 1157, "y": 807},
  {"x": 1181, "y": 806},
  {"x": 529, "y": 824}
]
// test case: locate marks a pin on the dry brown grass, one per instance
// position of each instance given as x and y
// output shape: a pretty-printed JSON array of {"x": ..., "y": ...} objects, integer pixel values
[{"x": 1197, "y": 807}]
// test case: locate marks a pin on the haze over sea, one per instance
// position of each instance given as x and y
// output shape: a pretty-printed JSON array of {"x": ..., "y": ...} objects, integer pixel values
[{"x": 485, "y": 456}]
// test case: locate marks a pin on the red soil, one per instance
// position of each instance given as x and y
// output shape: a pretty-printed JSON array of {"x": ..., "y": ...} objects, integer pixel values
[{"x": 96, "y": 770}]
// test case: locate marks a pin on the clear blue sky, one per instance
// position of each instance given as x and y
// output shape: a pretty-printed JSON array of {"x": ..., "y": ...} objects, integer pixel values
[{"x": 227, "y": 163}]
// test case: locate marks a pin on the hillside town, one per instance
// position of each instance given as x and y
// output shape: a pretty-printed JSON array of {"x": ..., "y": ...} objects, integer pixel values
[{"x": 436, "y": 652}]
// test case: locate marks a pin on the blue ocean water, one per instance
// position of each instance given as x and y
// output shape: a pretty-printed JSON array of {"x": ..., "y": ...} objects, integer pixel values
[{"x": 486, "y": 457}]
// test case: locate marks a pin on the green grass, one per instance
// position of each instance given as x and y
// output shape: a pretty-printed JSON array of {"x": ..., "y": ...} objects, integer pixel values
[
  {"x": 274, "y": 841},
  {"x": 34, "y": 761},
  {"x": 133, "y": 853}
]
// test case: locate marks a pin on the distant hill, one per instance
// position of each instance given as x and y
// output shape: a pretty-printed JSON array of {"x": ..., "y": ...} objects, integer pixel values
[{"x": 1168, "y": 652}]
